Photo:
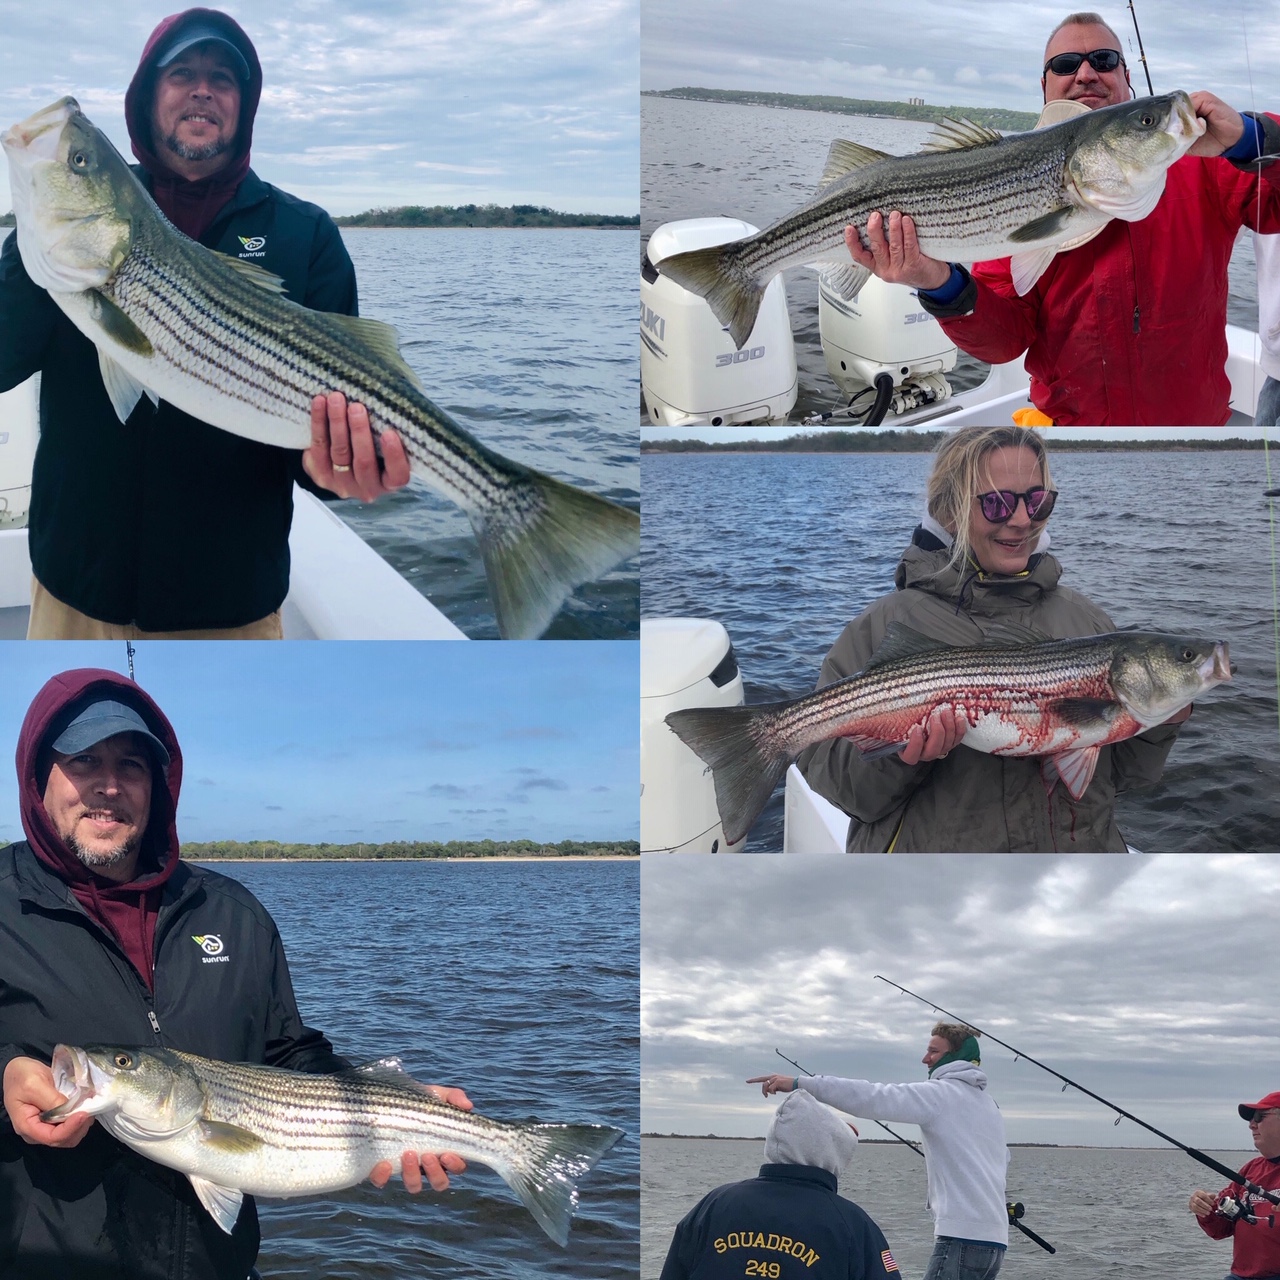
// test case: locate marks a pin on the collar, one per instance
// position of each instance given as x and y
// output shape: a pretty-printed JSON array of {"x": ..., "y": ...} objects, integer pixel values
[
  {"x": 803, "y": 1173},
  {"x": 38, "y": 885}
]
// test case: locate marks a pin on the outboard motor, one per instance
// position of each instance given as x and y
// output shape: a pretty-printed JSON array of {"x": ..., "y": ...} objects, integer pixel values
[
  {"x": 684, "y": 662},
  {"x": 19, "y": 414},
  {"x": 691, "y": 372}
]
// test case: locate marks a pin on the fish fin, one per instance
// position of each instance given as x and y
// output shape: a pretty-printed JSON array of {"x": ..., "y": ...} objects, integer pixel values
[
  {"x": 1073, "y": 768},
  {"x": 843, "y": 157},
  {"x": 545, "y": 1168},
  {"x": 957, "y": 135},
  {"x": 546, "y": 538},
  {"x": 845, "y": 280},
  {"x": 745, "y": 754},
  {"x": 1027, "y": 268},
  {"x": 123, "y": 390},
  {"x": 382, "y": 339},
  {"x": 254, "y": 274},
  {"x": 223, "y": 1203},
  {"x": 230, "y": 1138},
  {"x": 1007, "y": 634},
  {"x": 117, "y": 326},
  {"x": 875, "y": 748},
  {"x": 1084, "y": 713},
  {"x": 902, "y": 641},
  {"x": 1047, "y": 224},
  {"x": 715, "y": 274}
]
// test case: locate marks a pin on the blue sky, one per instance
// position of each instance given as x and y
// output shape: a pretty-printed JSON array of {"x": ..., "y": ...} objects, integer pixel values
[
  {"x": 383, "y": 102},
  {"x": 345, "y": 741}
]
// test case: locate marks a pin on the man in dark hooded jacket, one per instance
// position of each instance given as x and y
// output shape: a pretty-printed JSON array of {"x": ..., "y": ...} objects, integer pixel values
[
  {"x": 102, "y": 941},
  {"x": 165, "y": 525}
]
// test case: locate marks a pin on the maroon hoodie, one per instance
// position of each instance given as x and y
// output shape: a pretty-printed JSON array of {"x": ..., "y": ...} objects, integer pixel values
[
  {"x": 127, "y": 911},
  {"x": 191, "y": 206}
]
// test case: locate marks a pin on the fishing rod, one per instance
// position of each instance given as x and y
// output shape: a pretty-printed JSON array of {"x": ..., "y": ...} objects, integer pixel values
[
  {"x": 1142, "y": 53},
  {"x": 1015, "y": 1209},
  {"x": 1121, "y": 1114}
]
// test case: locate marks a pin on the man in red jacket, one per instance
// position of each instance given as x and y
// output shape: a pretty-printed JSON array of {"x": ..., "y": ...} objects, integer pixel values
[
  {"x": 1129, "y": 328},
  {"x": 1255, "y": 1244}
]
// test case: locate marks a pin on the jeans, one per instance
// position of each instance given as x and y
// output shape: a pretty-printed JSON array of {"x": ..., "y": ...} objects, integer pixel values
[
  {"x": 963, "y": 1260},
  {"x": 1267, "y": 413}
]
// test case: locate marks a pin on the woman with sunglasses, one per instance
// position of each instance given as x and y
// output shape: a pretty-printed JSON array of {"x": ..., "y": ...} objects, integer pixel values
[{"x": 978, "y": 559}]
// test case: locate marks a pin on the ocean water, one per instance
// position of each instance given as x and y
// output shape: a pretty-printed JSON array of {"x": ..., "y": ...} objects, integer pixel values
[
  {"x": 1109, "y": 1212},
  {"x": 517, "y": 981},
  {"x": 702, "y": 159},
  {"x": 784, "y": 549},
  {"x": 527, "y": 338}
]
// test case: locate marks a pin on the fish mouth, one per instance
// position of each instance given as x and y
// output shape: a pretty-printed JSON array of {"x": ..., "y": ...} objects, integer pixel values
[
  {"x": 1217, "y": 666},
  {"x": 73, "y": 1078},
  {"x": 1185, "y": 123},
  {"x": 45, "y": 128}
]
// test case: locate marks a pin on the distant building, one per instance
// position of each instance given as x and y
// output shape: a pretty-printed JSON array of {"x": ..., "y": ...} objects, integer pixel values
[{"x": 915, "y": 102}]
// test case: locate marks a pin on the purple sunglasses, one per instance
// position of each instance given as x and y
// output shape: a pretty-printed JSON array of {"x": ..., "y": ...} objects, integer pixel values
[{"x": 999, "y": 506}]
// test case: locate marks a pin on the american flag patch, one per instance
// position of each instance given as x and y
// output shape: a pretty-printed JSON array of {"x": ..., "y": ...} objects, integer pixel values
[{"x": 887, "y": 1258}]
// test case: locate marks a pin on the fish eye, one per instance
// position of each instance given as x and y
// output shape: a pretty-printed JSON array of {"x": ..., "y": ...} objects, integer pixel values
[
  {"x": 80, "y": 160},
  {"x": 123, "y": 1060},
  {"x": 1188, "y": 655},
  {"x": 1147, "y": 119}
]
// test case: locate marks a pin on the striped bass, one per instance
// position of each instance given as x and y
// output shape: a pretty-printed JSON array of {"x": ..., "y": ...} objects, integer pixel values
[
  {"x": 1060, "y": 699},
  {"x": 238, "y": 1130},
  {"x": 215, "y": 337},
  {"x": 973, "y": 195}
]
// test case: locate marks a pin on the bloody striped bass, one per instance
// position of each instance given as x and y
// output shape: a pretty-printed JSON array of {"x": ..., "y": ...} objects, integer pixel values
[
  {"x": 1060, "y": 699},
  {"x": 237, "y": 1130},
  {"x": 215, "y": 337},
  {"x": 973, "y": 195}
]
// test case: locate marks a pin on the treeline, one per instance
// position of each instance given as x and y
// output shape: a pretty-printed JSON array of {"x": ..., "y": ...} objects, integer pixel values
[
  {"x": 894, "y": 441},
  {"x": 993, "y": 117},
  {"x": 483, "y": 215},
  {"x": 274, "y": 849},
  {"x": 8, "y": 220}
]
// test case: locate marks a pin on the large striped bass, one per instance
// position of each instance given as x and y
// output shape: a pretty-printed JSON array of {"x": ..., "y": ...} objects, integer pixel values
[
  {"x": 215, "y": 337},
  {"x": 1060, "y": 699},
  {"x": 973, "y": 195},
  {"x": 238, "y": 1130}
]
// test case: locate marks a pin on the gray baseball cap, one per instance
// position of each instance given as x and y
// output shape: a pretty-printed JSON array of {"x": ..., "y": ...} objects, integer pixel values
[
  {"x": 199, "y": 33},
  {"x": 102, "y": 719}
]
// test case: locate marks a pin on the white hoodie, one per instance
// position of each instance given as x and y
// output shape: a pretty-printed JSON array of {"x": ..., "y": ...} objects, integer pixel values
[{"x": 964, "y": 1147}]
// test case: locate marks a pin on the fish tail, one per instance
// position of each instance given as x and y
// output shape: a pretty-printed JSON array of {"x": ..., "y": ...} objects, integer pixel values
[
  {"x": 748, "y": 753},
  {"x": 545, "y": 1170},
  {"x": 544, "y": 539},
  {"x": 717, "y": 274}
]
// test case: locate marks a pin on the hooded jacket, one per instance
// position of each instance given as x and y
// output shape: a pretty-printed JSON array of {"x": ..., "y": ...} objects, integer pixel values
[
  {"x": 972, "y": 802},
  {"x": 963, "y": 1136},
  {"x": 165, "y": 522},
  {"x": 221, "y": 989}
]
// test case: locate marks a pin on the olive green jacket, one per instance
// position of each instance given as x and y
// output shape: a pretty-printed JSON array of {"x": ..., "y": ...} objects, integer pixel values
[{"x": 972, "y": 802}]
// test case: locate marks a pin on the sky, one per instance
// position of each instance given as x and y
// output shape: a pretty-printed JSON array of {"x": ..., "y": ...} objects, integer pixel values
[
  {"x": 379, "y": 103},
  {"x": 347, "y": 741},
  {"x": 976, "y": 52},
  {"x": 1146, "y": 979}
]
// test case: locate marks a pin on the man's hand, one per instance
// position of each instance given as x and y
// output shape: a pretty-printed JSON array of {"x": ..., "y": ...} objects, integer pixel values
[
  {"x": 29, "y": 1090},
  {"x": 342, "y": 457},
  {"x": 1202, "y": 1203},
  {"x": 1225, "y": 125},
  {"x": 437, "y": 1167},
  {"x": 937, "y": 737},
  {"x": 893, "y": 253},
  {"x": 774, "y": 1084}
]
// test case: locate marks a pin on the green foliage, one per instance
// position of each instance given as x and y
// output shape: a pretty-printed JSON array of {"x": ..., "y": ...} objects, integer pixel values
[
  {"x": 482, "y": 215},
  {"x": 275, "y": 849},
  {"x": 993, "y": 117},
  {"x": 8, "y": 220}
]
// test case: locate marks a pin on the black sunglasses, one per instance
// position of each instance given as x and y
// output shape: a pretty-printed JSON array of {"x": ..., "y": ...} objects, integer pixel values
[
  {"x": 999, "y": 506},
  {"x": 1067, "y": 64}
]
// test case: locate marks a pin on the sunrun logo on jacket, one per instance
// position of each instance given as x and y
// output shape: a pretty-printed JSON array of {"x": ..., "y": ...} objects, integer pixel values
[
  {"x": 211, "y": 945},
  {"x": 253, "y": 246}
]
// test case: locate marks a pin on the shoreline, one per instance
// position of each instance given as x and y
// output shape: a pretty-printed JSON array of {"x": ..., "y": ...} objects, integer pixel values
[{"x": 495, "y": 857}]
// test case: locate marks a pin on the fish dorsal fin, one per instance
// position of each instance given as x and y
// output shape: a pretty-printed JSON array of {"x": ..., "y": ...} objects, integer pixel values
[
  {"x": 123, "y": 389},
  {"x": 254, "y": 274},
  {"x": 1006, "y": 634},
  {"x": 901, "y": 641},
  {"x": 957, "y": 135},
  {"x": 381, "y": 338},
  {"x": 1074, "y": 769},
  {"x": 843, "y": 157},
  {"x": 222, "y": 1203},
  {"x": 229, "y": 1138},
  {"x": 389, "y": 1071}
]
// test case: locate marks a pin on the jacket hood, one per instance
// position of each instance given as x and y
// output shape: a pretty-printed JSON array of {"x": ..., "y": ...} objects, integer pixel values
[
  {"x": 925, "y": 568},
  {"x": 191, "y": 206},
  {"x": 804, "y": 1131},
  {"x": 51, "y": 710},
  {"x": 961, "y": 1073}
]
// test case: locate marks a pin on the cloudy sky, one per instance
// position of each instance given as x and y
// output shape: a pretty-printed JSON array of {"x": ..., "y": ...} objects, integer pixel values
[
  {"x": 372, "y": 103},
  {"x": 1143, "y": 978},
  {"x": 967, "y": 53},
  {"x": 345, "y": 741}
]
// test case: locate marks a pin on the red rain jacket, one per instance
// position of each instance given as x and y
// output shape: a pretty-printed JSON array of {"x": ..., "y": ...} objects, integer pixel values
[{"x": 1129, "y": 329}]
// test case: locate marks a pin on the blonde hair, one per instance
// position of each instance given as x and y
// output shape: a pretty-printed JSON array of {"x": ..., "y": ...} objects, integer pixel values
[
  {"x": 955, "y": 1034},
  {"x": 959, "y": 474}
]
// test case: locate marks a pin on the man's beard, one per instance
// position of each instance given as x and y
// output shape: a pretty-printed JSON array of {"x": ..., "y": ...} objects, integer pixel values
[
  {"x": 95, "y": 859},
  {"x": 206, "y": 152}
]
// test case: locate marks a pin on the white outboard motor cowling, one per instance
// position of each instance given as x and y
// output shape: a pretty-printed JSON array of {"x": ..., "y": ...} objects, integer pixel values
[
  {"x": 691, "y": 372},
  {"x": 19, "y": 415},
  {"x": 684, "y": 662}
]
